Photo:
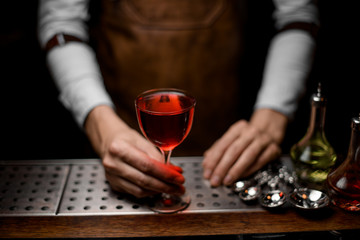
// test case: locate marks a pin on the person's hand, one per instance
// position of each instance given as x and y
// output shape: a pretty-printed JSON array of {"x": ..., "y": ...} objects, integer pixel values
[
  {"x": 132, "y": 164},
  {"x": 245, "y": 147}
]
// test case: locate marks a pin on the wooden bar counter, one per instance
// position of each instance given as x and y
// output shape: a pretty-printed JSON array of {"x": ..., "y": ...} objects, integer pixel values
[{"x": 71, "y": 199}]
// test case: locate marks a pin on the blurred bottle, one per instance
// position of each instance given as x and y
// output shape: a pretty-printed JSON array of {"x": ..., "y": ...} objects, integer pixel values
[
  {"x": 313, "y": 156},
  {"x": 344, "y": 181}
]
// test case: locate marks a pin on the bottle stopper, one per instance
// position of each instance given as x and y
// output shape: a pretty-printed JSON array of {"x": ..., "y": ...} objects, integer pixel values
[{"x": 318, "y": 98}]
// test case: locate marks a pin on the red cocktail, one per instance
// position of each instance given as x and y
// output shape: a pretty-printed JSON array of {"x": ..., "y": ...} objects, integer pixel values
[{"x": 165, "y": 117}]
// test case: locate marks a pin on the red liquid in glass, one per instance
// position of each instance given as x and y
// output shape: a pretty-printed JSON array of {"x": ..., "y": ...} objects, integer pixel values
[{"x": 165, "y": 118}]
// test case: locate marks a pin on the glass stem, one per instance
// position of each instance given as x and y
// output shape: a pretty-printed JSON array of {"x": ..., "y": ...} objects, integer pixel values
[
  {"x": 165, "y": 196},
  {"x": 167, "y": 155}
]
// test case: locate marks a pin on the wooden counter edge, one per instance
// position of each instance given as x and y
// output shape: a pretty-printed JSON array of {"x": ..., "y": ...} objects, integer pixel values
[{"x": 185, "y": 224}]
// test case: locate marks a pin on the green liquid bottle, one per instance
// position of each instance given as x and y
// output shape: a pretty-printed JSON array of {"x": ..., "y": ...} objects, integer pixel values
[{"x": 313, "y": 156}]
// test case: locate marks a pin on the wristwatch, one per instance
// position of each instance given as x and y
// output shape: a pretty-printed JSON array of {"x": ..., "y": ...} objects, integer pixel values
[
  {"x": 60, "y": 39},
  {"x": 308, "y": 27}
]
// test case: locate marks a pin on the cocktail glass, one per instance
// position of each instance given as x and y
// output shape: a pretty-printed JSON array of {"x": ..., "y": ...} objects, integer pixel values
[{"x": 165, "y": 118}]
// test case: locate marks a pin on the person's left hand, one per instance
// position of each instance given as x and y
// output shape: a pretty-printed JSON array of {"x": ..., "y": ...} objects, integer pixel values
[{"x": 245, "y": 147}]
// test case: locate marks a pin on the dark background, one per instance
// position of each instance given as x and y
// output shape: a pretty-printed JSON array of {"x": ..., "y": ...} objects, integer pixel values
[{"x": 34, "y": 125}]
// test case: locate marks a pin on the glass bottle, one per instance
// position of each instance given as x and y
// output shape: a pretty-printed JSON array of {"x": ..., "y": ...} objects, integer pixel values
[
  {"x": 344, "y": 181},
  {"x": 313, "y": 156}
]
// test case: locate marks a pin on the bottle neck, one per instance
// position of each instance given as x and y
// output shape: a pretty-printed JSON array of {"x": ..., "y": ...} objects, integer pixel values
[
  {"x": 317, "y": 119},
  {"x": 354, "y": 147}
]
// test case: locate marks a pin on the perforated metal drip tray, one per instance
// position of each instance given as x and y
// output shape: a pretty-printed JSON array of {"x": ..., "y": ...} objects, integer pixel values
[{"x": 79, "y": 187}]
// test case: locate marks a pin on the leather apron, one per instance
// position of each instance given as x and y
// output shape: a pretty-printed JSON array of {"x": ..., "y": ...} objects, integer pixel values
[{"x": 188, "y": 44}]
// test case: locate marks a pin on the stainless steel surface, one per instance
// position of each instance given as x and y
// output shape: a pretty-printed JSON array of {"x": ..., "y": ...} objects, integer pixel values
[
  {"x": 88, "y": 192},
  {"x": 31, "y": 189},
  {"x": 79, "y": 187},
  {"x": 273, "y": 199},
  {"x": 310, "y": 199}
]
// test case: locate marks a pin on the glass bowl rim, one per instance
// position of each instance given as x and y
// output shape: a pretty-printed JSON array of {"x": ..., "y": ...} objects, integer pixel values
[{"x": 175, "y": 90}]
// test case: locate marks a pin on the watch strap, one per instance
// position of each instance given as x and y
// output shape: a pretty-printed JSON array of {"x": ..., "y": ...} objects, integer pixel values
[{"x": 60, "y": 40}]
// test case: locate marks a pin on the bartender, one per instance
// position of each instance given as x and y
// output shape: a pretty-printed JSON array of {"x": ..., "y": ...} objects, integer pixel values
[{"x": 192, "y": 45}]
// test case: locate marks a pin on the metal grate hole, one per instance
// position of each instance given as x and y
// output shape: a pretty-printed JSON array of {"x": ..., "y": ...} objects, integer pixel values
[{"x": 31, "y": 190}]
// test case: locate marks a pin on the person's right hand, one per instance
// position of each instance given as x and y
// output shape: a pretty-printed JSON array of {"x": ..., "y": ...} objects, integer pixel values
[{"x": 132, "y": 164}]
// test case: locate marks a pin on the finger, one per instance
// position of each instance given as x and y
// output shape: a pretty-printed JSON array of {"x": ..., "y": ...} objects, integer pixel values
[
  {"x": 148, "y": 148},
  {"x": 230, "y": 157},
  {"x": 141, "y": 161},
  {"x": 145, "y": 146},
  {"x": 121, "y": 185},
  {"x": 248, "y": 158},
  {"x": 272, "y": 152},
  {"x": 153, "y": 152},
  {"x": 176, "y": 168},
  {"x": 136, "y": 182},
  {"x": 213, "y": 155}
]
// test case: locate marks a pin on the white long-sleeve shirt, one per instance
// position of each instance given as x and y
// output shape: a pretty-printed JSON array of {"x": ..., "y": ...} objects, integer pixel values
[{"x": 77, "y": 75}]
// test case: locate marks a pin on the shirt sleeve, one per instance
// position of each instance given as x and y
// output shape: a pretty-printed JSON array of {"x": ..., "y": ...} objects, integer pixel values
[
  {"x": 290, "y": 57},
  {"x": 73, "y": 66}
]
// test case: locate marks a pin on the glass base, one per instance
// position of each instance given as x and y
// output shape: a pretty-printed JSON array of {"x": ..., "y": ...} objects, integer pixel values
[{"x": 166, "y": 203}]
